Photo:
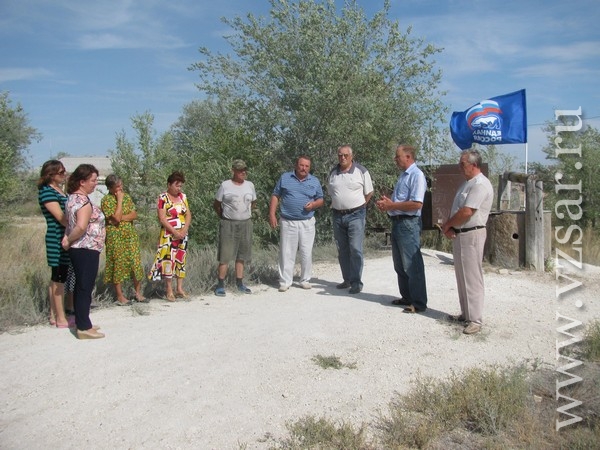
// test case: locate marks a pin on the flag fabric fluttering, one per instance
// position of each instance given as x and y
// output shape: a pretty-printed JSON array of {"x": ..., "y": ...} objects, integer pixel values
[{"x": 498, "y": 120}]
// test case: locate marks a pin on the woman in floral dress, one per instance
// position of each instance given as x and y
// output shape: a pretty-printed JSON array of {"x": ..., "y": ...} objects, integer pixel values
[
  {"x": 175, "y": 218},
  {"x": 123, "y": 258}
]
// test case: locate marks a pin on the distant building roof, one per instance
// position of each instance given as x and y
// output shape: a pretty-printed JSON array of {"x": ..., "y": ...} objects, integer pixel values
[{"x": 102, "y": 163}]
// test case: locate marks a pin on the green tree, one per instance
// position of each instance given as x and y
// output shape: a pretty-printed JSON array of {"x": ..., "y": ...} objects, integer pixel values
[
  {"x": 570, "y": 169},
  {"x": 307, "y": 79},
  {"x": 207, "y": 138},
  {"x": 144, "y": 164},
  {"x": 15, "y": 137}
]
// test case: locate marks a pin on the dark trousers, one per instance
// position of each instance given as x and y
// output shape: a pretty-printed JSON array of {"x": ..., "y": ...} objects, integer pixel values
[
  {"x": 85, "y": 264},
  {"x": 408, "y": 261}
]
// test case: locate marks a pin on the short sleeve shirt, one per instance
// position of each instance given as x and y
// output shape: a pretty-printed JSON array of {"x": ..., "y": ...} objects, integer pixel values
[
  {"x": 295, "y": 193},
  {"x": 348, "y": 189},
  {"x": 411, "y": 186},
  {"x": 55, "y": 254},
  {"x": 95, "y": 233},
  {"x": 236, "y": 199},
  {"x": 478, "y": 194}
]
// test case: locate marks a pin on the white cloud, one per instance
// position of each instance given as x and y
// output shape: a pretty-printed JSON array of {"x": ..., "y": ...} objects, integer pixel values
[
  {"x": 23, "y": 73},
  {"x": 573, "y": 51},
  {"x": 136, "y": 40}
]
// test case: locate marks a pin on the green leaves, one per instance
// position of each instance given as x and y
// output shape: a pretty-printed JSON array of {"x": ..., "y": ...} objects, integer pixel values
[
  {"x": 306, "y": 78},
  {"x": 15, "y": 137}
]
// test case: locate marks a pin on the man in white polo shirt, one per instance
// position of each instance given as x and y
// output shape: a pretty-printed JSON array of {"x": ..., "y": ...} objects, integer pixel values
[{"x": 350, "y": 188}]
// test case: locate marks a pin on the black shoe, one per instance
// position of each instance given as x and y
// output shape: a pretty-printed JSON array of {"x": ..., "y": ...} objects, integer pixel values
[
  {"x": 456, "y": 318},
  {"x": 343, "y": 285},
  {"x": 355, "y": 289},
  {"x": 401, "y": 302}
]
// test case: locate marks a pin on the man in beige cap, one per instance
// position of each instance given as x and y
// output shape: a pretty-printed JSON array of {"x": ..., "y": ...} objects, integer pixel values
[{"x": 233, "y": 204}]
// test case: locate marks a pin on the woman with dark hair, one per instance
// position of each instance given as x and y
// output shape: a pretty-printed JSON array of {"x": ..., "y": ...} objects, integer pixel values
[
  {"x": 84, "y": 239},
  {"x": 175, "y": 218},
  {"x": 52, "y": 199},
  {"x": 123, "y": 259}
]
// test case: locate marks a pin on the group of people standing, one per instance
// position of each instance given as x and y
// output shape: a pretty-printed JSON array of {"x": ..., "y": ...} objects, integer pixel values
[
  {"x": 350, "y": 188},
  {"x": 78, "y": 230}
]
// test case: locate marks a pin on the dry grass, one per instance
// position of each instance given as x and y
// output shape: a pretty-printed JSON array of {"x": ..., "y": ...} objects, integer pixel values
[
  {"x": 492, "y": 408},
  {"x": 590, "y": 250},
  {"x": 323, "y": 434},
  {"x": 590, "y": 346},
  {"x": 24, "y": 293}
]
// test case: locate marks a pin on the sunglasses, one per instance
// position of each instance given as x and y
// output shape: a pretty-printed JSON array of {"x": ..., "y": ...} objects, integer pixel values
[{"x": 62, "y": 172}]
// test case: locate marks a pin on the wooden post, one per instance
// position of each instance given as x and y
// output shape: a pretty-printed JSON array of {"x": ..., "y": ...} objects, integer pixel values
[
  {"x": 534, "y": 224},
  {"x": 539, "y": 225},
  {"x": 504, "y": 188}
]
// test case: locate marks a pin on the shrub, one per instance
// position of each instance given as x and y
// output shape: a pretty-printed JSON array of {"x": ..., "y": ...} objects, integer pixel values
[
  {"x": 484, "y": 401},
  {"x": 590, "y": 345},
  {"x": 323, "y": 434}
]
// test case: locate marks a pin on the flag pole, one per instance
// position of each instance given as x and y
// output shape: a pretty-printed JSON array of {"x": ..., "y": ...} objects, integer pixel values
[{"x": 526, "y": 173}]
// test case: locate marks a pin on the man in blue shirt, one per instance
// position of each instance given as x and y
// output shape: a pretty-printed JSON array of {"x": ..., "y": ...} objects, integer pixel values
[
  {"x": 404, "y": 208},
  {"x": 298, "y": 194}
]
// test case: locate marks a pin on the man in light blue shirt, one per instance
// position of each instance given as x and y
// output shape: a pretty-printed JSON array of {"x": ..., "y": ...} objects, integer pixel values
[
  {"x": 404, "y": 209},
  {"x": 299, "y": 194}
]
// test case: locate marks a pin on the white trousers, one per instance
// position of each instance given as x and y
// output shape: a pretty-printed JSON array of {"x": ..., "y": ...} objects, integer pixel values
[{"x": 295, "y": 236}]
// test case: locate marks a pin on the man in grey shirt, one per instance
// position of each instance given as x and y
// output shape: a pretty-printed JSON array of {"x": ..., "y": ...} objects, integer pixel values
[{"x": 233, "y": 204}]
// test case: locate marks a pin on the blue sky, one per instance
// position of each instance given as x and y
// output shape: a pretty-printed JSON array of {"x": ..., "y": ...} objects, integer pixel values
[{"x": 82, "y": 69}]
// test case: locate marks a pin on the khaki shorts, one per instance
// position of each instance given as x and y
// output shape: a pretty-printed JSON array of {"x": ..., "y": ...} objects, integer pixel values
[{"x": 235, "y": 240}]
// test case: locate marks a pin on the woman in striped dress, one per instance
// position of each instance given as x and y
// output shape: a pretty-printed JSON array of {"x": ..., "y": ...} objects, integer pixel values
[{"x": 52, "y": 201}]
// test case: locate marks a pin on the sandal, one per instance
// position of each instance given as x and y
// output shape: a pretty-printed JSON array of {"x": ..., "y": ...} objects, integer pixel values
[
  {"x": 170, "y": 298},
  {"x": 120, "y": 303},
  {"x": 182, "y": 295}
]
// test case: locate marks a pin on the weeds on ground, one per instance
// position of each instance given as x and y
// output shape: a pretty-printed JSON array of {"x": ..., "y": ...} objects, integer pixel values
[
  {"x": 482, "y": 400},
  {"x": 323, "y": 434},
  {"x": 590, "y": 345},
  {"x": 480, "y": 406},
  {"x": 332, "y": 362}
]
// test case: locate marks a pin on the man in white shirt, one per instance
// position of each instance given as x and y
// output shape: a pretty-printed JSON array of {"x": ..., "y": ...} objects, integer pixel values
[
  {"x": 350, "y": 188},
  {"x": 466, "y": 226}
]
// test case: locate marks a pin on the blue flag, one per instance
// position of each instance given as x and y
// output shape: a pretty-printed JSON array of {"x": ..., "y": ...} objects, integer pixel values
[{"x": 498, "y": 120}]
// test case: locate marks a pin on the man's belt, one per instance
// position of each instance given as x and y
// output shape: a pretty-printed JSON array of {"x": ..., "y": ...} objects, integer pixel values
[
  {"x": 402, "y": 217},
  {"x": 464, "y": 230},
  {"x": 343, "y": 212}
]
